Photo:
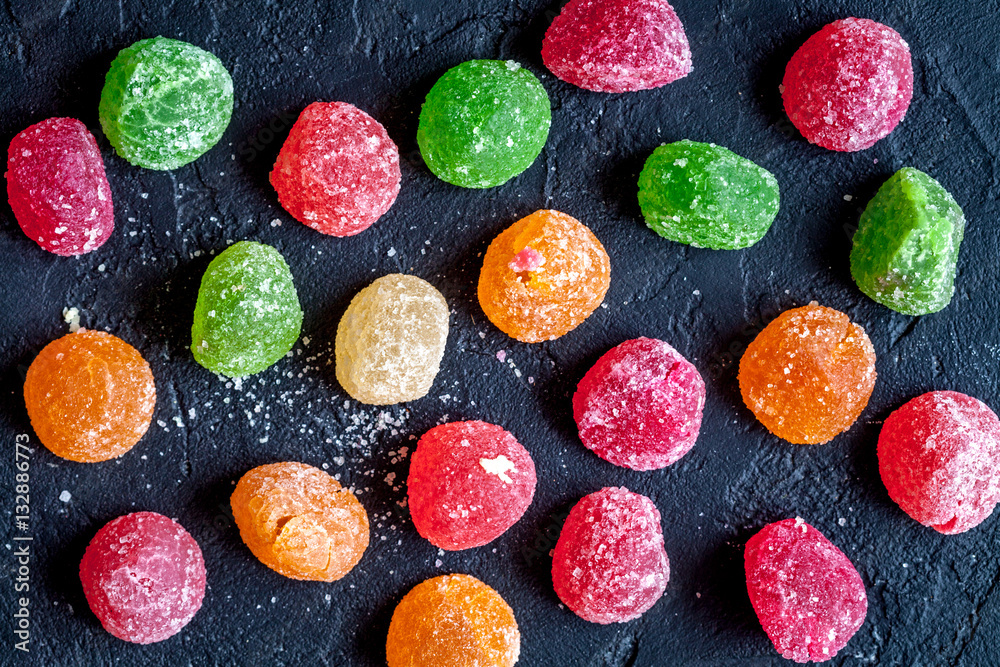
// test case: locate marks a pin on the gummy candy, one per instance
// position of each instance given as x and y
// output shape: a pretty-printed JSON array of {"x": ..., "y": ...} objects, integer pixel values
[
  {"x": 247, "y": 315},
  {"x": 338, "y": 171},
  {"x": 939, "y": 455},
  {"x": 807, "y": 594},
  {"x": 616, "y": 46},
  {"x": 468, "y": 483},
  {"x": 143, "y": 576},
  {"x": 849, "y": 85},
  {"x": 707, "y": 196},
  {"x": 90, "y": 396},
  {"x": 391, "y": 339},
  {"x": 165, "y": 102},
  {"x": 808, "y": 375},
  {"x": 640, "y": 405},
  {"x": 483, "y": 123},
  {"x": 453, "y": 621},
  {"x": 57, "y": 187},
  {"x": 299, "y": 521},
  {"x": 609, "y": 564},
  {"x": 543, "y": 276},
  {"x": 906, "y": 247}
]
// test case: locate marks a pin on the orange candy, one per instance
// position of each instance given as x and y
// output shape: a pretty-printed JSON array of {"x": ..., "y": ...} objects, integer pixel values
[
  {"x": 543, "y": 276},
  {"x": 808, "y": 375},
  {"x": 90, "y": 396}
]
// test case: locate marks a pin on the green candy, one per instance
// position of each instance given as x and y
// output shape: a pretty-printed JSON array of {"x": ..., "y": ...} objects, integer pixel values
[
  {"x": 165, "y": 102},
  {"x": 483, "y": 123},
  {"x": 707, "y": 196},
  {"x": 906, "y": 247},
  {"x": 247, "y": 315}
]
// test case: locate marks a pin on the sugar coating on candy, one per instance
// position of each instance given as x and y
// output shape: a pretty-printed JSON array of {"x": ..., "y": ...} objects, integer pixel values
[
  {"x": 391, "y": 339},
  {"x": 338, "y": 170},
  {"x": 483, "y": 123},
  {"x": 453, "y": 621},
  {"x": 247, "y": 315},
  {"x": 807, "y": 594},
  {"x": 90, "y": 396},
  {"x": 609, "y": 564},
  {"x": 143, "y": 576},
  {"x": 543, "y": 276},
  {"x": 615, "y": 46},
  {"x": 808, "y": 375},
  {"x": 849, "y": 85},
  {"x": 707, "y": 196},
  {"x": 165, "y": 102},
  {"x": 640, "y": 405},
  {"x": 57, "y": 187}
]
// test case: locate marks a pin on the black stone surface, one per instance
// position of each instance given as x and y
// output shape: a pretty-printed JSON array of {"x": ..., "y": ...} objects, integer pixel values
[{"x": 933, "y": 600}]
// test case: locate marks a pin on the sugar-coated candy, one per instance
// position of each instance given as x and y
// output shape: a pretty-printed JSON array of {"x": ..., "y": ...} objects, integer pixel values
[
  {"x": 849, "y": 85},
  {"x": 906, "y": 248},
  {"x": 453, "y": 621},
  {"x": 609, "y": 564},
  {"x": 483, "y": 123},
  {"x": 807, "y": 594},
  {"x": 90, "y": 396},
  {"x": 543, "y": 276},
  {"x": 707, "y": 196},
  {"x": 338, "y": 170},
  {"x": 615, "y": 46},
  {"x": 247, "y": 315},
  {"x": 391, "y": 339},
  {"x": 939, "y": 456},
  {"x": 808, "y": 375},
  {"x": 57, "y": 187},
  {"x": 640, "y": 405},
  {"x": 165, "y": 102},
  {"x": 468, "y": 483},
  {"x": 143, "y": 576}
]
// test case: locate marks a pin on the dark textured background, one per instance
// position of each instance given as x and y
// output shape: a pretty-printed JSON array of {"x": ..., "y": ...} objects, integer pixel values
[{"x": 933, "y": 600}]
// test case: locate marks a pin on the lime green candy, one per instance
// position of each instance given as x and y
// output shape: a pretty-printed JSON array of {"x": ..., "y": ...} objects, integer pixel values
[
  {"x": 247, "y": 315},
  {"x": 165, "y": 102},
  {"x": 707, "y": 196},
  {"x": 483, "y": 123}
]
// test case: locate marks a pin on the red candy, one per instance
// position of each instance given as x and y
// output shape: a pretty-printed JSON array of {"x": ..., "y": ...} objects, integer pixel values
[
  {"x": 640, "y": 405},
  {"x": 143, "y": 576},
  {"x": 57, "y": 187}
]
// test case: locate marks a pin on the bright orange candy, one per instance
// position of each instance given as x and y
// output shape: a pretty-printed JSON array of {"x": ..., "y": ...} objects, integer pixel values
[
  {"x": 453, "y": 621},
  {"x": 299, "y": 521},
  {"x": 808, "y": 375},
  {"x": 90, "y": 396},
  {"x": 543, "y": 276}
]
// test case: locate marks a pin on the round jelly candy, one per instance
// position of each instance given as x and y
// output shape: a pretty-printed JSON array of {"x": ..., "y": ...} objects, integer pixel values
[
  {"x": 707, "y": 196},
  {"x": 640, "y": 405},
  {"x": 616, "y": 46},
  {"x": 391, "y": 339},
  {"x": 849, "y": 85},
  {"x": 247, "y": 315},
  {"x": 165, "y": 102},
  {"x": 57, "y": 187},
  {"x": 609, "y": 564},
  {"x": 338, "y": 170},
  {"x": 807, "y": 594},
  {"x": 543, "y": 276},
  {"x": 143, "y": 576},
  {"x": 906, "y": 247},
  {"x": 453, "y": 621},
  {"x": 483, "y": 123},
  {"x": 90, "y": 396},
  {"x": 469, "y": 482},
  {"x": 939, "y": 456},
  {"x": 808, "y": 375}
]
